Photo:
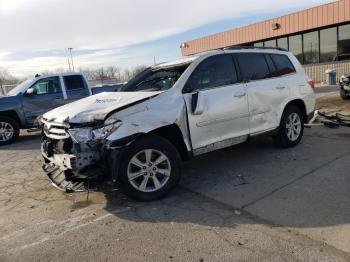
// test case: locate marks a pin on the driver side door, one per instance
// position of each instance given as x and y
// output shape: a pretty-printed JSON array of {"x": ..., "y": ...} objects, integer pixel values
[
  {"x": 217, "y": 105},
  {"x": 47, "y": 95}
]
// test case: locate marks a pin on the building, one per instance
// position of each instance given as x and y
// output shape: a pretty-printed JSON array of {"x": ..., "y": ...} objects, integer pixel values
[{"x": 319, "y": 37}]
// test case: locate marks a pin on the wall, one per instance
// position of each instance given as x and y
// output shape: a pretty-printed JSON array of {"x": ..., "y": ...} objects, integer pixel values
[
  {"x": 317, "y": 71},
  {"x": 325, "y": 15}
]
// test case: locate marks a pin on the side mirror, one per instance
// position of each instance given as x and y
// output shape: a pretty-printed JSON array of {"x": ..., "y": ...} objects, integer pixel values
[
  {"x": 31, "y": 92},
  {"x": 197, "y": 103},
  {"x": 188, "y": 88}
]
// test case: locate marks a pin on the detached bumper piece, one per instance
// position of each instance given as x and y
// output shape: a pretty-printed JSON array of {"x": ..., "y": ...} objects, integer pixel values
[
  {"x": 336, "y": 120},
  {"x": 65, "y": 183}
]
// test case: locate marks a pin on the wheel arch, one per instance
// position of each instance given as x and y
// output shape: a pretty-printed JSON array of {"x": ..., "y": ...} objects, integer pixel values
[
  {"x": 173, "y": 134},
  {"x": 300, "y": 104},
  {"x": 11, "y": 114}
]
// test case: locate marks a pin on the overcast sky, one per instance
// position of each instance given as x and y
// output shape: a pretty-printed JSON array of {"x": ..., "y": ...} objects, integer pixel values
[{"x": 35, "y": 34}]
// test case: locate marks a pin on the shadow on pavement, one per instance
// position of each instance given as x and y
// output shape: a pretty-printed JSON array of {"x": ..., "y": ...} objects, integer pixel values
[{"x": 304, "y": 187}]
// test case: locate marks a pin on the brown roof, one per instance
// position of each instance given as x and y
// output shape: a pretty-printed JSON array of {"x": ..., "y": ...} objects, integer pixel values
[{"x": 320, "y": 16}]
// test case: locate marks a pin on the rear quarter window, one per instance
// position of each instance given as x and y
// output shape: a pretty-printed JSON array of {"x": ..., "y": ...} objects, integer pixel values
[
  {"x": 282, "y": 64},
  {"x": 74, "y": 82}
]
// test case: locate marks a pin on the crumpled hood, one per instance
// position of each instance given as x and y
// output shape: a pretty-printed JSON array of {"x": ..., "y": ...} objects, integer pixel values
[{"x": 95, "y": 107}]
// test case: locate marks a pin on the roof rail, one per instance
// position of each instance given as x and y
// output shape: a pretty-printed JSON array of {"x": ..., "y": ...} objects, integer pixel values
[{"x": 253, "y": 47}]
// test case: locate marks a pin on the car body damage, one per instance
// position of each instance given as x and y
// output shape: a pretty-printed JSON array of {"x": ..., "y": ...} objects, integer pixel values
[
  {"x": 95, "y": 108},
  {"x": 170, "y": 112},
  {"x": 70, "y": 161}
]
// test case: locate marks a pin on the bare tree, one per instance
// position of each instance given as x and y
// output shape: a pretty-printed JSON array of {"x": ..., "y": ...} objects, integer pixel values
[{"x": 5, "y": 79}]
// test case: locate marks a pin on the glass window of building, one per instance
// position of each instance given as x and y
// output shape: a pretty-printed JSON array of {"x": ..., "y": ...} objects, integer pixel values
[
  {"x": 344, "y": 42},
  {"x": 259, "y": 44},
  {"x": 270, "y": 43},
  {"x": 328, "y": 45},
  {"x": 296, "y": 47},
  {"x": 282, "y": 42},
  {"x": 311, "y": 48}
]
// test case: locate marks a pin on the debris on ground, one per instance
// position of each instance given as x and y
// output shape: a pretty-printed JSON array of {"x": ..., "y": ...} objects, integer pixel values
[{"x": 333, "y": 120}]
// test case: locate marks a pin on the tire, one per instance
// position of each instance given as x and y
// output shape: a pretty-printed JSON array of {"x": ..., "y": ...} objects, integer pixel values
[
  {"x": 9, "y": 130},
  {"x": 162, "y": 177},
  {"x": 289, "y": 137},
  {"x": 344, "y": 94}
]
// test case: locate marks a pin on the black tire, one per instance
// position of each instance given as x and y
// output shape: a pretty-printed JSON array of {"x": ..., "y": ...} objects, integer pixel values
[
  {"x": 344, "y": 94},
  {"x": 14, "y": 125},
  {"x": 282, "y": 139},
  {"x": 158, "y": 144}
]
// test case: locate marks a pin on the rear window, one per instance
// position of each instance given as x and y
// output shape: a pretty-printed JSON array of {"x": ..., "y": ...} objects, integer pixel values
[
  {"x": 74, "y": 82},
  {"x": 253, "y": 66},
  {"x": 283, "y": 65}
]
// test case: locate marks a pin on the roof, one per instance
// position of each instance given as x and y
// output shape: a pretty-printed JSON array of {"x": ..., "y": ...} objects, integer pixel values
[{"x": 175, "y": 63}]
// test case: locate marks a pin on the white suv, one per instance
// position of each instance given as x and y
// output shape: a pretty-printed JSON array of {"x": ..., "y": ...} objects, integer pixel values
[{"x": 172, "y": 112}]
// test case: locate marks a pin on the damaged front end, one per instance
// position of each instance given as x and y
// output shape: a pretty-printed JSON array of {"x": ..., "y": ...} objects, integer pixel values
[{"x": 78, "y": 158}]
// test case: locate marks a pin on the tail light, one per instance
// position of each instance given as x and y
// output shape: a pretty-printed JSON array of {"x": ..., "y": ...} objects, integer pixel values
[{"x": 311, "y": 83}]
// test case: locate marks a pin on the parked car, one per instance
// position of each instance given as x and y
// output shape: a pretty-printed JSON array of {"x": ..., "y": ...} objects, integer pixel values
[
  {"x": 34, "y": 97},
  {"x": 345, "y": 87},
  {"x": 174, "y": 111}
]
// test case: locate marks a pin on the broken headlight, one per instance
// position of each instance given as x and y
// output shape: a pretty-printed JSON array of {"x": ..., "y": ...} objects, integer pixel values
[
  {"x": 84, "y": 135},
  {"x": 106, "y": 130}
]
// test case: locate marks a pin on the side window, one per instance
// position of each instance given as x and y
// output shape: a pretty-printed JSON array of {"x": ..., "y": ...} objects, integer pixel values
[
  {"x": 50, "y": 85},
  {"x": 283, "y": 65},
  {"x": 74, "y": 82},
  {"x": 253, "y": 66},
  {"x": 213, "y": 72}
]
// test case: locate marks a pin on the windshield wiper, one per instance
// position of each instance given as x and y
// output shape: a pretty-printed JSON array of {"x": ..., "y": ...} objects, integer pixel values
[{"x": 152, "y": 80}]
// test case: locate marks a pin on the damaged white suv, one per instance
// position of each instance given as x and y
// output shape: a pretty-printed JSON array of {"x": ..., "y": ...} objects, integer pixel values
[{"x": 172, "y": 112}]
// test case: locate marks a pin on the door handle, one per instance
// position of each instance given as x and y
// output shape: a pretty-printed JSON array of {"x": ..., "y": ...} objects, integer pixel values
[
  {"x": 57, "y": 97},
  {"x": 280, "y": 87},
  {"x": 239, "y": 95}
]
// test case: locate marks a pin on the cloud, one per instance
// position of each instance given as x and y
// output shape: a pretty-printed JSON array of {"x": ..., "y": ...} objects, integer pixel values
[
  {"x": 48, "y": 25},
  {"x": 56, "y": 24}
]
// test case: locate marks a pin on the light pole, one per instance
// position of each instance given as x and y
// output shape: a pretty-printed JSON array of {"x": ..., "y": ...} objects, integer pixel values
[{"x": 71, "y": 56}]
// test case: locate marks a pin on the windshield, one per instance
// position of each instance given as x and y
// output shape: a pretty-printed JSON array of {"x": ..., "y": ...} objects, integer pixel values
[
  {"x": 154, "y": 80},
  {"x": 21, "y": 88}
]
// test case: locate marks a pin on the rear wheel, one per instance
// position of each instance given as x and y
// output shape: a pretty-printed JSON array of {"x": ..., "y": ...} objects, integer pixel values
[
  {"x": 150, "y": 168},
  {"x": 291, "y": 128},
  {"x": 9, "y": 130},
  {"x": 344, "y": 94}
]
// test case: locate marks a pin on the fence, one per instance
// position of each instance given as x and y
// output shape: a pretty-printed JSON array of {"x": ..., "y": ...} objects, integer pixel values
[
  {"x": 317, "y": 71},
  {"x": 4, "y": 89}
]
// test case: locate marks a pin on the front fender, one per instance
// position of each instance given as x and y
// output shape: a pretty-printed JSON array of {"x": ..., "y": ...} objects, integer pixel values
[{"x": 150, "y": 115}]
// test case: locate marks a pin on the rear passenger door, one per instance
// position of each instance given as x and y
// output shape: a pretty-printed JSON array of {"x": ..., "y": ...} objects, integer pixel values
[
  {"x": 267, "y": 92},
  {"x": 223, "y": 116},
  {"x": 76, "y": 87}
]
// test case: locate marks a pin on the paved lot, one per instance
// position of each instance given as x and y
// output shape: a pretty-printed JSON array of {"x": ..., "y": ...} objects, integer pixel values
[{"x": 251, "y": 202}]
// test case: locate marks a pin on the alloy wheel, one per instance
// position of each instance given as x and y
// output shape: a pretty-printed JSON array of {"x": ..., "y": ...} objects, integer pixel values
[
  {"x": 149, "y": 170},
  {"x": 6, "y": 131},
  {"x": 293, "y": 127}
]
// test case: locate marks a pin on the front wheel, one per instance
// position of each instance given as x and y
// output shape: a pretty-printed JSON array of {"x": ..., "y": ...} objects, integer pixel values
[
  {"x": 9, "y": 130},
  {"x": 150, "y": 168},
  {"x": 291, "y": 128}
]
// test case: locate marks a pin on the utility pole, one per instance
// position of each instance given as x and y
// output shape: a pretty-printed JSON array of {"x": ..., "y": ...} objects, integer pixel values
[
  {"x": 70, "y": 70},
  {"x": 71, "y": 56}
]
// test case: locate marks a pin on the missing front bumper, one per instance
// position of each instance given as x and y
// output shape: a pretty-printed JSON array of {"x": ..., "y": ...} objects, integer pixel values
[{"x": 68, "y": 183}]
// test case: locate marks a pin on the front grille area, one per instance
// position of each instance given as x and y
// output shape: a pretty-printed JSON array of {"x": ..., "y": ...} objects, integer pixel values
[{"x": 55, "y": 131}]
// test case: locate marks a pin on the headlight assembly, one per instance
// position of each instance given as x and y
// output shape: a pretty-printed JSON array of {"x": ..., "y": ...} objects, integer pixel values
[
  {"x": 106, "y": 130},
  {"x": 84, "y": 135}
]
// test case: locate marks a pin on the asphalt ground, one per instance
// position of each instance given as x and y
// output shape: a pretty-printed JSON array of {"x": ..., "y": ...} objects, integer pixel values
[{"x": 252, "y": 202}]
